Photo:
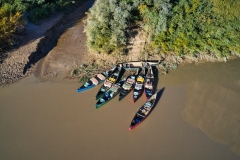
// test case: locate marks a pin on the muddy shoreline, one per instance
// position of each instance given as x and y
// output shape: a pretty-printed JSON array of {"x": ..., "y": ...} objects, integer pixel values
[
  {"x": 58, "y": 46},
  {"x": 37, "y": 42}
]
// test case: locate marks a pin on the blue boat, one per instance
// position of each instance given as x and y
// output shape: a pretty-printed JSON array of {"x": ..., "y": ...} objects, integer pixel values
[{"x": 99, "y": 78}]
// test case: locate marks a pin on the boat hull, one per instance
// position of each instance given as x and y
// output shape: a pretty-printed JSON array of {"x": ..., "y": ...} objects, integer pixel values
[
  {"x": 139, "y": 94},
  {"x": 86, "y": 88},
  {"x": 96, "y": 80},
  {"x": 139, "y": 85},
  {"x": 123, "y": 94},
  {"x": 127, "y": 86},
  {"x": 149, "y": 83},
  {"x": 110, "y": 94},
  {"x": 112, "y": 79},
  {"x": 148, "y": 93},
  {"x": 143, "y": 112}
]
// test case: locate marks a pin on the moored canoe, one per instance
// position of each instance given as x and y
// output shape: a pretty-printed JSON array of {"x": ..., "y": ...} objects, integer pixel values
[
  {"x": 143, "y": 111},
  {"x": 96, "y": 80}
]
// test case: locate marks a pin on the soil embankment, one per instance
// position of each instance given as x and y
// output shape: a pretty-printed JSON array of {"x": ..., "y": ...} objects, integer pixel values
[
  {"x": 38, "y": 40},
  {"x": 11, "y": 69},
  {"x": 58, "y": 46}
]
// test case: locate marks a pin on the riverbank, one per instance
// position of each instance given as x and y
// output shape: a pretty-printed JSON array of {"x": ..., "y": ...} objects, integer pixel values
[
  {"x": 58, "y": 46},
  {"x": 37, "y": 41}
]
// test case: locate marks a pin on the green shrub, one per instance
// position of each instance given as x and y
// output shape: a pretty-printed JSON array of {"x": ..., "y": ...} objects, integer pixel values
[
  {"x": 108, "y": 22},
  {"x": 41, "y": 12},
  {"x": 10, "y": 20},
  {"x": 12, "y": 11},
  {"x": 196, "y": 26}
]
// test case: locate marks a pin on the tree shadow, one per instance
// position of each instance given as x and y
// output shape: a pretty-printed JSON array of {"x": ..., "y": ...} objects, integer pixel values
[
  {"x": 156, "y": 78},
  {"x": 52, "y": 35}
]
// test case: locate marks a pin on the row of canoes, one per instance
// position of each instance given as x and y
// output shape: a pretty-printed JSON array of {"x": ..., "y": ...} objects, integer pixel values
[
  {"x": 145, "y": 81},
  {"x": 140, "y": 82}
]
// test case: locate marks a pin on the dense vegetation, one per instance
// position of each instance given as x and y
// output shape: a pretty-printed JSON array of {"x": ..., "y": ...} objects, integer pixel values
[
  {"x": 12, "y": 15},
  {"x": 172, "y": 26},
  {"x": 109, "y": 21}
]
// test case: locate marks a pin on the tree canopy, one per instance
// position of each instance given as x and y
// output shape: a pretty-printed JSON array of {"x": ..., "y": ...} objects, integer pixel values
[{"x": 181, "y": 26}]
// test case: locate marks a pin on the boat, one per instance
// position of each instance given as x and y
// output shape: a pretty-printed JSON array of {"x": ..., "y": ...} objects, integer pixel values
[
  {"x": 131, "y": 65},
  {"x": 149, "y": 82},
  {"x": 150, "y": 62},
  {"x": 137, "y": 64},
  {"x": 110, "y": 94},
  {"x": 143, "y": 112},
  {"x": 139, "y": 85},
  {"x": 113, "y": 78},
  {"x": 127, "y": 86},
  {"x": 99, "y": 78}
]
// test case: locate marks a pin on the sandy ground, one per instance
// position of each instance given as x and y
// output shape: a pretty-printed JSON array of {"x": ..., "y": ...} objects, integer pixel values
[
  {"x": 70, "y": 48},
  {"x": 50, "y": 120},
  {"x": 38, "y": 40}
]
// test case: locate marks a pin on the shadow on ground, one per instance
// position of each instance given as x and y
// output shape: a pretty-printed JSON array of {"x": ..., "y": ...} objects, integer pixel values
[{"x": 52, "y": 35}]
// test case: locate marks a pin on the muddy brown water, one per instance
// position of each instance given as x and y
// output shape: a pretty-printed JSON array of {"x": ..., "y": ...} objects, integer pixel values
[{"x": 197, "y": 117}]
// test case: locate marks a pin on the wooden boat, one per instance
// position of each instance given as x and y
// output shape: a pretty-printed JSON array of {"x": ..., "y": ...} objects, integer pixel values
[
  {"x": 137, "y": 64},
  {"x": 131, "y": 65},
  {"x": 143, "y": 112},
  {"x": 139, "y": 85},
  {"x": 99, "y": 78},
  {"x": 150, "y": 62},
  {"x": 113, "y": 78},
  {"x": 110, "y": 94},
  {"x": 149, "y": 82},
  {"x": 127, "y": 86}
]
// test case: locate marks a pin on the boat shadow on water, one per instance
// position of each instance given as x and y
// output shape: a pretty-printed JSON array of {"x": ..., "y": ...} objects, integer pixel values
[
  {"x": 156, "y": 78},
  {"x": 159, "y": 95},
  {"x": 142, "y": 118}
]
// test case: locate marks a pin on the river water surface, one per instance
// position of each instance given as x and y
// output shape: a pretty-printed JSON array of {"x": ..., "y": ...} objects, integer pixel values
[{"x": 197, "y": 117}]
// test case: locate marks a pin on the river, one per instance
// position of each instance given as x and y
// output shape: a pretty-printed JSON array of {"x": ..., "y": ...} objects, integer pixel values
[{"x": 197, "y": 117}]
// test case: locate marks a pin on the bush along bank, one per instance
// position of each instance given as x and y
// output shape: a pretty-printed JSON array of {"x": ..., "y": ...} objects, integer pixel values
[
  {"x": 166, "y": 63},
  {"x": 181, "y": 27}
]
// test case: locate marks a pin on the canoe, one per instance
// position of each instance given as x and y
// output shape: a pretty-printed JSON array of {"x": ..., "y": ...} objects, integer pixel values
[
  {"x": 131, "y": 65},
  {"x": 149, "y": 82},
  {"x": 151, "y": 63},
  {"x": 127, "y": 86},
  {"x": 110, "y": 94},
  {"x": 99, "y": 78},
  {"x": 139, "y": 85},
  {"x": 113, "y": 78},
  {"x": 143, "y": 112},
  {"x": 137, "y": 64}
]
